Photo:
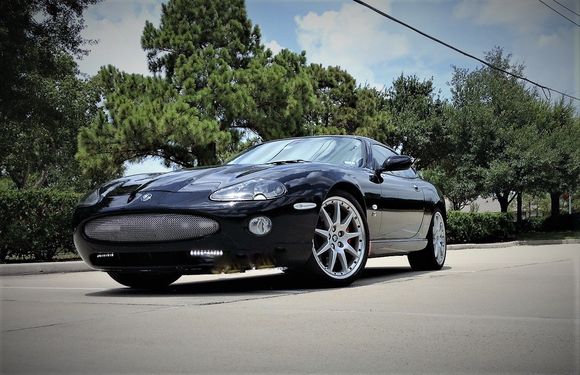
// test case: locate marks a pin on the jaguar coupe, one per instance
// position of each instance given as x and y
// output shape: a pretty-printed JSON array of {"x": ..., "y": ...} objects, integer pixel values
[{"x": 318, "y": 206}]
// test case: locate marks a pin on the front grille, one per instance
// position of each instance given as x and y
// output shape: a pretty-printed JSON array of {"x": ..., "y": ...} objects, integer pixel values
[{"x": 149, "y": 227}]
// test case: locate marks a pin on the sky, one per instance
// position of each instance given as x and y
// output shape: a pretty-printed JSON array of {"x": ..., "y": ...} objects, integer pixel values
[{"x": 373, "y": 49}]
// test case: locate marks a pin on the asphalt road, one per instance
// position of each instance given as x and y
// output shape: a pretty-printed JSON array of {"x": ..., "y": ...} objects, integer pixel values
[{"x": 512, "y": 310}]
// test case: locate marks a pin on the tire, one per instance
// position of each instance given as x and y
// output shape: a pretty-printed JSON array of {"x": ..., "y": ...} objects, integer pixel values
[
  {"x": 433, "y": 256},
  {"x": 144, "y": 280},
  {"x": 340, "y": 244}
]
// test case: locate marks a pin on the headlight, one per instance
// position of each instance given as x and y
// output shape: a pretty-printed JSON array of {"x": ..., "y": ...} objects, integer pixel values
[
  {"x": 91, "y": 198},
  {"x": 253, "y": 190}
]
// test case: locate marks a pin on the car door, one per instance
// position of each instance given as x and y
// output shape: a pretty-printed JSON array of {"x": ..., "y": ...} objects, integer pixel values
[{"x": 401, "y": 205}]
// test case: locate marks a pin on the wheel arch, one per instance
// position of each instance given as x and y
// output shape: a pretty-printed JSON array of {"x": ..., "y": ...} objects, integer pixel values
[
  {"x": 353, "y": 190},
  {"x": 441, "y": 206}
]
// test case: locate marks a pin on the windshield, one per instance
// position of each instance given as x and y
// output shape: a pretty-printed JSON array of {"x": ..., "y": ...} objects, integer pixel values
[{"x": 333, "y": 150}]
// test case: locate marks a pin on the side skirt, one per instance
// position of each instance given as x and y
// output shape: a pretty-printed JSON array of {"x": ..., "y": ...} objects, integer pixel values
[{"x": 382, "y": 248}]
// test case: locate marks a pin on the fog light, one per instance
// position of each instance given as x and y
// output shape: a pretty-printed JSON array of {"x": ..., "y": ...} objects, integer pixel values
[
  {"x": 105, "y": 255},
  {"x": 260, "y": 225},
  {"x": 206, "y": 253}
]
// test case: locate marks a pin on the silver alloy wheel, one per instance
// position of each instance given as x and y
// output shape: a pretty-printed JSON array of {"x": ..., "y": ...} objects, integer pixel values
[
  {"x": 340, "y": 238},
  {"x": 439, "y": 241}
]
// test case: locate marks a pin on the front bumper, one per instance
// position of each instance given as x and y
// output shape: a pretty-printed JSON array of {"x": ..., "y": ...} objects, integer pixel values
[{"x": 288, "y": 244}]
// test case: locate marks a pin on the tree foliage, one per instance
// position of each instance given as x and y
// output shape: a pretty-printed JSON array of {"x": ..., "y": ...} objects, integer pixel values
[
  {"x": 33, "y": 36},
  {"x": 212, "y": 81},
  {"x": 492, "y": 109},
  {"x": 334, "y": 110},
  {"x": 43, "y": 102},
  {"x": 419, "y": 119},
  {"x": 343, "y": 107}
]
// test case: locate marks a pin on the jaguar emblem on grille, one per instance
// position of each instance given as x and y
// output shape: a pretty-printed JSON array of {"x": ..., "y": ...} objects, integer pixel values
[{"x": 146, "y": 197}]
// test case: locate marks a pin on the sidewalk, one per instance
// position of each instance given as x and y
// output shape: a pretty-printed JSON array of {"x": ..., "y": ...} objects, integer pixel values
[
  {"x": 495, "y": 245},
  {"x": 44, "y": 267},
  {"x": 80, "y": 266}
]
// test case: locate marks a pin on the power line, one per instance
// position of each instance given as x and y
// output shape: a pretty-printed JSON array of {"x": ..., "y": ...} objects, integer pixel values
[
  {"x": 575, "y": 23},
  {"x": 565, "y": 7},
  {"x": 543, "y": 87}
]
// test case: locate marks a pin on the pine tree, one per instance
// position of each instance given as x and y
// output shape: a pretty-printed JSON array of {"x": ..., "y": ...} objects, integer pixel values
[{"x": 212, "y": 82}]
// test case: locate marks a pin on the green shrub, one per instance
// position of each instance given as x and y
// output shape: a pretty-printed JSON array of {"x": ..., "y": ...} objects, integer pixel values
[
  {"x": 468, "y": 227},
  {"x": 563, "y": 222},
  {"x": 560, "y": 223},
  {"x": 532, "y": 224},
  {"x": 36, "y": 224}
]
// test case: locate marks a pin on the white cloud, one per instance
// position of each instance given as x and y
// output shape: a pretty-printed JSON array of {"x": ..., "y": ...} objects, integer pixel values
[
  {"x": 552, "y": 59},
  {"x": 274, "y": 46},
  {"x": 354, "y": 38},
  {"x": 547, "y": 44},
  {"x": 524, "y": 15},
  {"x": 545, "y": 40},
  {"x": 117, "y": 26}
]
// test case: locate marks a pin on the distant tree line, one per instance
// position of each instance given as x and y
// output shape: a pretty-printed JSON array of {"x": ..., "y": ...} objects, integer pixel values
[{"x": 213, "y": 83}]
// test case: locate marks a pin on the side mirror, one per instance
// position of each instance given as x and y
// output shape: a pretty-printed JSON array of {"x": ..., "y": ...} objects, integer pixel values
[{"x": 396, "y": 163}]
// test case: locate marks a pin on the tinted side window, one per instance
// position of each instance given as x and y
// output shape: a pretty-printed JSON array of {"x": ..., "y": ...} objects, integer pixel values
[
  {"x": 380, "y": 154},
  {"x": 407, "y": 173}
]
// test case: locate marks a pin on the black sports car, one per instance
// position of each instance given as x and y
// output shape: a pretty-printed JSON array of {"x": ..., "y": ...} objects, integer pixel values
[{"x": 320, "y": 205}]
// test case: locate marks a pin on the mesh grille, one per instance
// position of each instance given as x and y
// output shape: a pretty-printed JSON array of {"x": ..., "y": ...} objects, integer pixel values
[{"x": 149, "y": 227}]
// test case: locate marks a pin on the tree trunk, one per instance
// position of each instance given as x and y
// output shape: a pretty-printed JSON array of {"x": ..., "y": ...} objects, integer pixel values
[
  {"x": 19, "y": 178},
  {"x": 503, "y": 202},
  {"x": 41, "y": 180},
  {"x": 206, "y": 155},
  {"x": 555, "y": 204},
  {"x": 519, "y": 212}
]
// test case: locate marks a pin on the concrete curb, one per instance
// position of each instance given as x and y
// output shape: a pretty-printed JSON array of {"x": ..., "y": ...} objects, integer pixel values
[
  {"x": 497, "y": 245},
  {"x": 80, "y": 266},
  {"x": 40, "y": 268}
]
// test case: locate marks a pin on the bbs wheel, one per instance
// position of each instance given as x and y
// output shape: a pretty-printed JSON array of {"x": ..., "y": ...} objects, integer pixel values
[
  {"x": 340, "y": 243},
  {"x": 433, "y": 256},
  {"x": 144, "y": 280}
]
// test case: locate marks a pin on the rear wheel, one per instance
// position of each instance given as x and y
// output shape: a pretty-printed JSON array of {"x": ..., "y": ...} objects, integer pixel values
[
  {"x": 144, "y": 280},
  {"x": 433, "y": 256},
  {"x": 340, "y": 243}
]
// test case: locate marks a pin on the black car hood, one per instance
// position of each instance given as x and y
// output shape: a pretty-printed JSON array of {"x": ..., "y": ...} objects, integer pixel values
[{"x": 203, "y": 178}]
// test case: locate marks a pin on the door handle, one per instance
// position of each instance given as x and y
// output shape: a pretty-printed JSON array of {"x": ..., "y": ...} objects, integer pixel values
[{"x": 415, "y": 187}]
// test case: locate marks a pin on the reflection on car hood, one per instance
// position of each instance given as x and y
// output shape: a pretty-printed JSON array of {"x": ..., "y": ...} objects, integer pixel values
[{"x": 206, "y": 178}]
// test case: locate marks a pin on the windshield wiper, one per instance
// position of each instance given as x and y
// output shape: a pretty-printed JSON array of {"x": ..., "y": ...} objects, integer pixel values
[{"x": 280, "y": 162}]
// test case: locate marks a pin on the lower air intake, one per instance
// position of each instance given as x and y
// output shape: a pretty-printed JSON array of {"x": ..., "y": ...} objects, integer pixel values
[{"x": 149, "y": 228}]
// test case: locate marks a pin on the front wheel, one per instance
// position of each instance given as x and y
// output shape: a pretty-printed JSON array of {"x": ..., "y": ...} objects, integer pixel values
[
  {"x": 433, "y": 256},
  {"x": 340, "y": 244},
  {"x": 144, "y": 280}
]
